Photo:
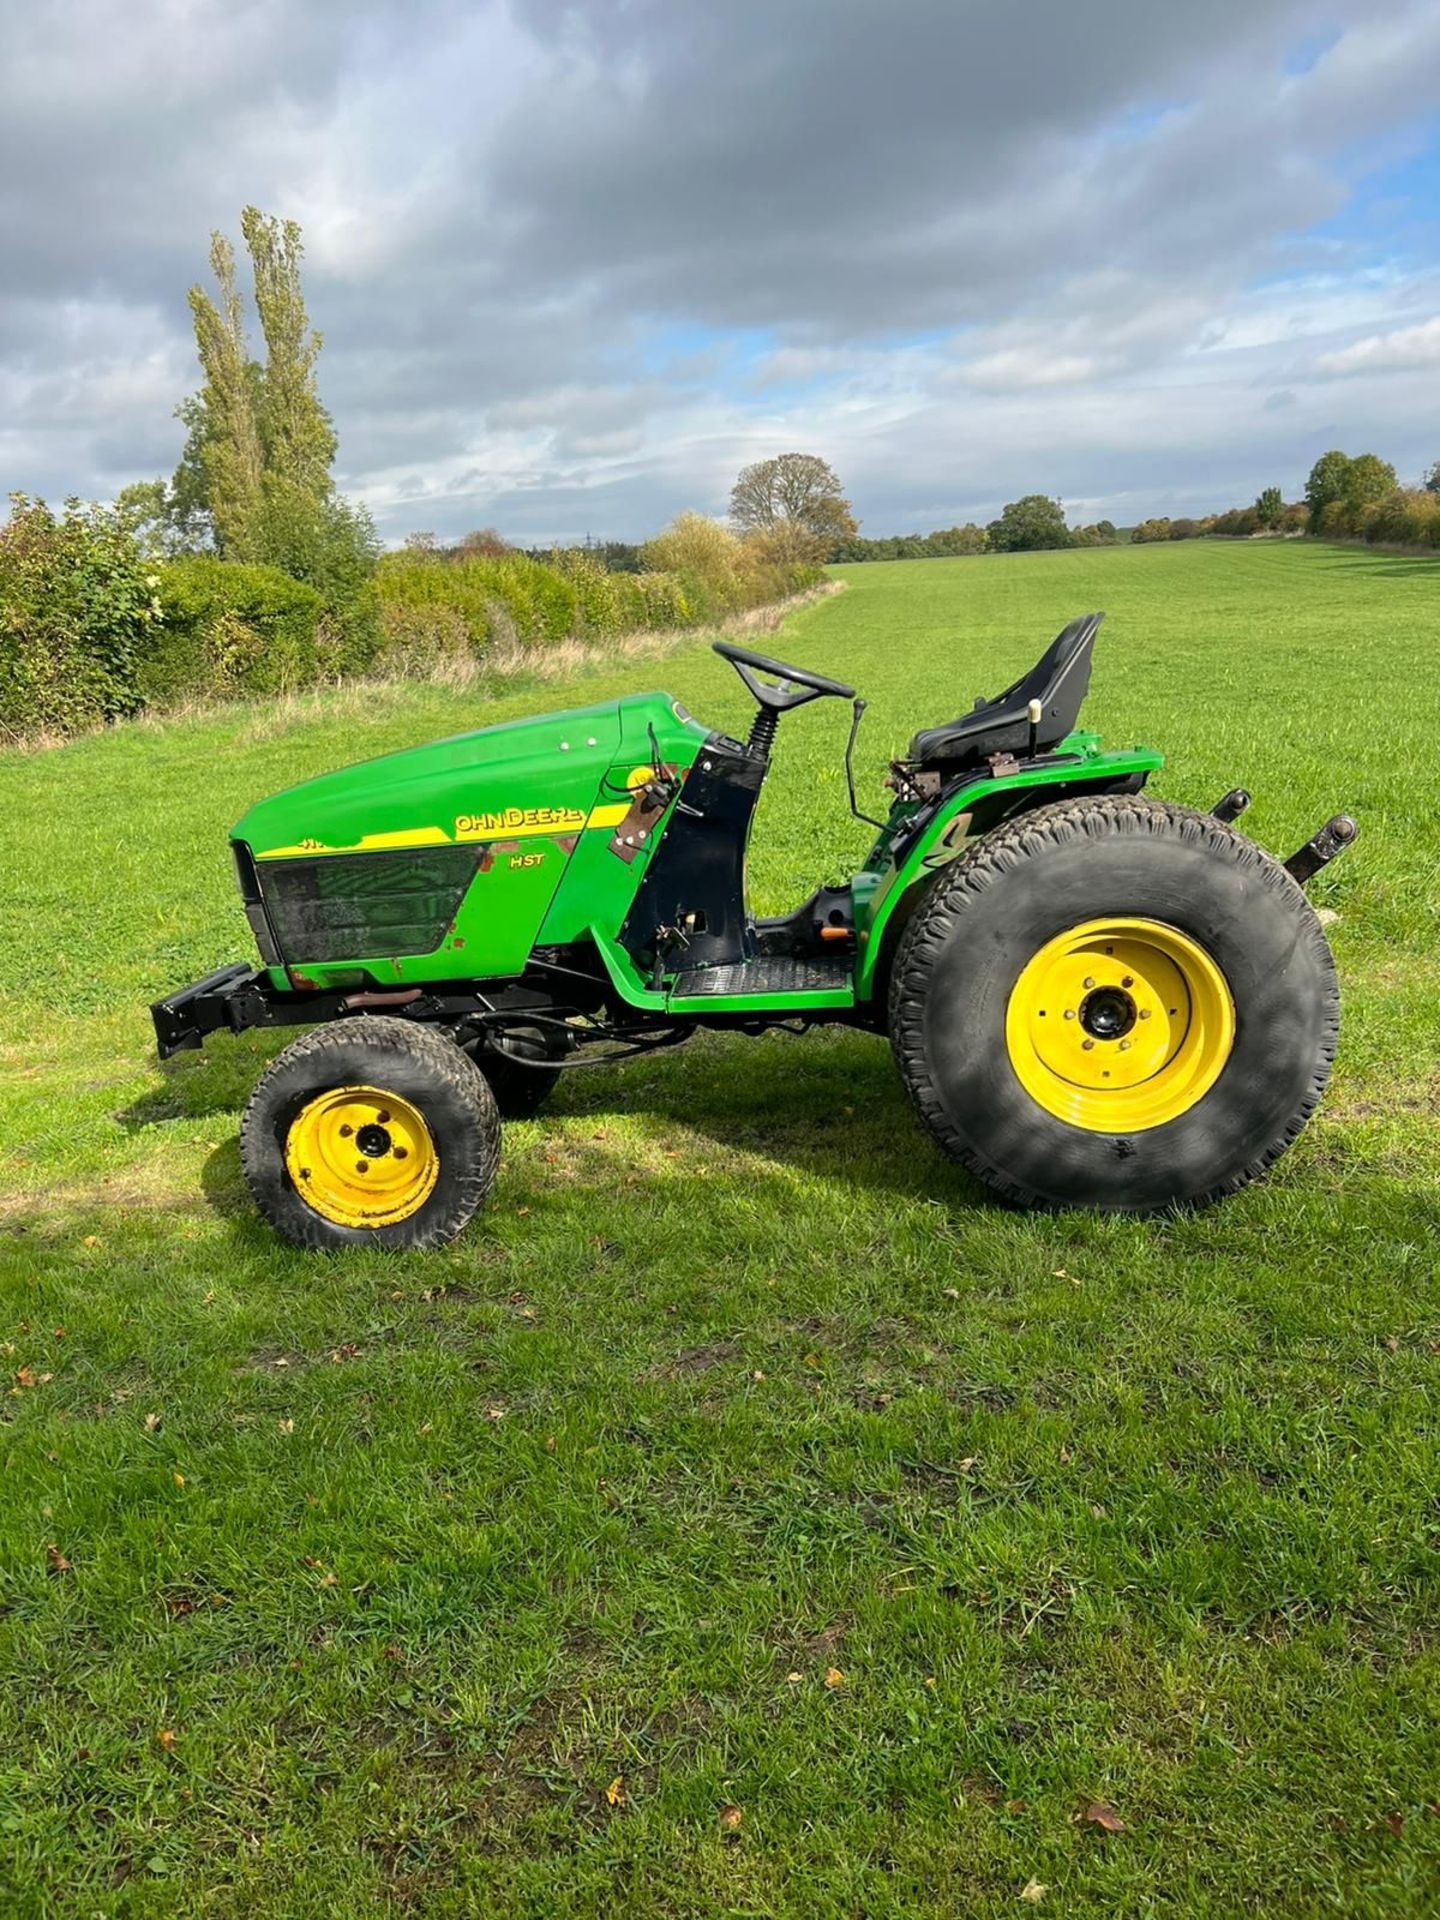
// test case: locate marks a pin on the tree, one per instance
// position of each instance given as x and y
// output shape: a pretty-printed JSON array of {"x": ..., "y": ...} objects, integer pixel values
[
  {"x": 1269, "y": 506},
  {"x": 254, "y": 478},
  {"x": 296, "y": 435},
  {"x": 798, "y": 493},
  {"x": 483, "y": 543},
  {"x": 1029, "y": 523},
  {"x": 224, "y": 440},
  {"x": 1327, "y": 482},
  {"x": 1431, "y": 482},
  {"x": 1369, "y": 480}
]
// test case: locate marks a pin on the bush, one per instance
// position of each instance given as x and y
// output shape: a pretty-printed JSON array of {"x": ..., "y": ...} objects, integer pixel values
[
  {"x": 1407, "y": 517},
  {"x": 706, "y": 557},
  {"x": 77, "y": 603},
  {"x": 496, "y": 596},
  {"x": 423, "y": 642},
  {"x": 227, "y": 629}
]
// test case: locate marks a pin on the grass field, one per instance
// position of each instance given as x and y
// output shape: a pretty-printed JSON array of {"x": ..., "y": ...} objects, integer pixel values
[{"x": 481, "y": 1582}]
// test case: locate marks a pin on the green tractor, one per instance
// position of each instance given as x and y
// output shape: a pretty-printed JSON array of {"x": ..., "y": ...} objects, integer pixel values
[{"x": 1095, "y": 999}]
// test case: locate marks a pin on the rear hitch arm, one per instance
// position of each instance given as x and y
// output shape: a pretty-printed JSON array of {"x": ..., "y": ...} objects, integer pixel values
[{"x": 1333, "y": 838}]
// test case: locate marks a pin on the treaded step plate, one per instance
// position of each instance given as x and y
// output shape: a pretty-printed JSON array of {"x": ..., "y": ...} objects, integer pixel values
[{"x": 771, "y": 973}]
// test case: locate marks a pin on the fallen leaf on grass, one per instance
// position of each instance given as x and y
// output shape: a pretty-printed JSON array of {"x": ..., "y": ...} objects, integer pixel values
[
  {"x": 24, "y": 1377},
  {"x": 166, "y": 1739},
  {"x": 794, "y": 1678},
  {"x": 730, "y": 1817},
  {"x": 57, "y": 1560},
  {"x": 811, "y": 1360},
  {"x": 1396, "y": 1823},
  {"x": 285, "y": 1426},
  {"x": 91, "y": 1240},
  {"x": 327, "y": 1579},
  {"x": 615, "y": 1792},
  {"x": 495, "y": 1411},
  {"x": 834, "y": 1678},
  {"x": 152, "y": 1422},
  {"x": 1034, "y": 1891},
  {"x": 1097, "y": 1814},
  {"x": 951, "y": 1293},
  {"x": 179, "y": 1479}
]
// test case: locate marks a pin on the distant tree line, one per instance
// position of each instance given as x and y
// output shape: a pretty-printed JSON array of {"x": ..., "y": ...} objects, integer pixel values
[
  {"x": 1030, "y": 524},
  {"x": 1347, "y": 497}
]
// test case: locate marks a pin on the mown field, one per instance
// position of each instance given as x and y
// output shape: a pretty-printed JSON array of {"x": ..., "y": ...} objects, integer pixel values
[{"x": 743, "y": 1456}]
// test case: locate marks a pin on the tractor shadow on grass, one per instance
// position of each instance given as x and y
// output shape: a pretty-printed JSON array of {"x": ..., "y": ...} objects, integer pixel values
[
  {"x": 194, "y": 1086},
  {"x": 828, "y": 1104}
]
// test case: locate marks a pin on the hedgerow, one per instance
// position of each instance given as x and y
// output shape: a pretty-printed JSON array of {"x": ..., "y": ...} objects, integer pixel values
[{"x": 92, "y": 629}]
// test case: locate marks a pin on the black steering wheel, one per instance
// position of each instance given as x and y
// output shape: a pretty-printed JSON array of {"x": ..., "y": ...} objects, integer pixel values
[{"x": 797, "y": 684}]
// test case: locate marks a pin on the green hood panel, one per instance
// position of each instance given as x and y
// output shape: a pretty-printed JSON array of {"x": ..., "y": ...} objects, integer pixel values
[
  {"x": 464, "y": 788},
  {"x": 455, "y": 850}
]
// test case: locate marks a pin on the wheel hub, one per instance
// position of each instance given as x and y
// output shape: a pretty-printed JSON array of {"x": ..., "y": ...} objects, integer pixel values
[
  {"x": 1108, "y": 1013},
  {"x": 1119, "y": 1025},
  {"x": 361, "y": 1157}
]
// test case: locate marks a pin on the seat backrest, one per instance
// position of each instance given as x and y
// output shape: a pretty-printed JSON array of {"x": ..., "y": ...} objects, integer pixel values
[{"x": 1059, "y": 680}]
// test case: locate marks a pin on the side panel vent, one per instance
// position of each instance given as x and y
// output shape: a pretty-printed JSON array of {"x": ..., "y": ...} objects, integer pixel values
[{"x": 366, "y": 906}]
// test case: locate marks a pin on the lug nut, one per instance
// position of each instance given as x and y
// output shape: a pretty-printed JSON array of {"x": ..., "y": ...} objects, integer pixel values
[
  {"x": 383, "y": 1117},
  {"x": 362, "y": 1166},
  {"x": 1089, "y": 981},
  {"x": 1128, "y": 981},
  {"x": 1069, "y": 1013},
  {"x": 1124, "y": 1046},
  {"x": 1087, "y": 1045},
  {"x": 399, "y": 1152},
  {"x": 345, "y": 1132},
  {"x": 1145, "y": 1013}
]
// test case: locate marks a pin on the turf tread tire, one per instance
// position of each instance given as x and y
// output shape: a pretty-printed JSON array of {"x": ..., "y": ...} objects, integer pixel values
[
  {"x": 401, "y": 1057},
  {"x": 1069, "y": 828}
]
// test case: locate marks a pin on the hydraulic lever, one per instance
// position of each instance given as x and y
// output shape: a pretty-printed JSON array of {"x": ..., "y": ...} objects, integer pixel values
[{"x": 879, "y": 825}]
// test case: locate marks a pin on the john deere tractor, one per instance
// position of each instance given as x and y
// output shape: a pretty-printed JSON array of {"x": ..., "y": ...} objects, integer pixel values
[{"x": 1095, "y": 999}]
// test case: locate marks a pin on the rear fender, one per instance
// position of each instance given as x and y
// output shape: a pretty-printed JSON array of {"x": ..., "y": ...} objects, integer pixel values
[{"x": 907, "y": 862}]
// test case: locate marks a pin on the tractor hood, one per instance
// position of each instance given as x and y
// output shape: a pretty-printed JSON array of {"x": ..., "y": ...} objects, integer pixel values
[{"x": 523, "y": 777}]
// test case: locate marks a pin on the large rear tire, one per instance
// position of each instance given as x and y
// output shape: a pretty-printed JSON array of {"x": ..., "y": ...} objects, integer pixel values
[
  {"x": 370, "y": 1132},
  {"x": 1114, "y": 1003}
]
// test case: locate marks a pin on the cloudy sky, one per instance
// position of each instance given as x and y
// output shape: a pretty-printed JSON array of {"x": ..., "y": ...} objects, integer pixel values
[{"x": 576, "y": 264}]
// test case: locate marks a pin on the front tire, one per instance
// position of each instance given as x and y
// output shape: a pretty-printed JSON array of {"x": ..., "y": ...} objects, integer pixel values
[
  {"x": 370, "y": 1132},
  {"x": 1114, "y": 1003}
]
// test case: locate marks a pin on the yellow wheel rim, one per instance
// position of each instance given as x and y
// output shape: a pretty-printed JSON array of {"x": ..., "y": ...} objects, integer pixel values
[
  {"x": 1119, "y": 1025},
  {"x": 361, "y": 1157}
]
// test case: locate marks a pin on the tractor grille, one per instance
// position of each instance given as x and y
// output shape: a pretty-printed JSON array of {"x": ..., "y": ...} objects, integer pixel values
[{"x": 366, "y": 906}]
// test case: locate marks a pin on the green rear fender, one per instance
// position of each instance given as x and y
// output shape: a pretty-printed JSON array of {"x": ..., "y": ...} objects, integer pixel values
[{"x": 899, "y": 871}]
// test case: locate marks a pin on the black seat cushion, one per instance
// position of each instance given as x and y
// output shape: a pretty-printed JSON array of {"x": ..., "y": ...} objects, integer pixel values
[{"x": 1058, "y": 680}]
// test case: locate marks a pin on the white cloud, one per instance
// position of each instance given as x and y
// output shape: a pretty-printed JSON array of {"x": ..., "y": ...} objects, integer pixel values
[{"x": 1404, "y": 350}]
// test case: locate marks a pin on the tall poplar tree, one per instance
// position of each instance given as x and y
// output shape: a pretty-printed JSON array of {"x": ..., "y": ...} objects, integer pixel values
[{"x": 257, "y": 459}]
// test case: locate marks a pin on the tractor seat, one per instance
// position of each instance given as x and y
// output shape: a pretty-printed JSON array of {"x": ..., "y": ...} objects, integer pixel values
[{"x": 1058, "y": 680}]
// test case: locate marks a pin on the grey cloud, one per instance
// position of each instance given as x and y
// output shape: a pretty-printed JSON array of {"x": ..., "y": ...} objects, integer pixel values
[{"x": 508, "y": 206}]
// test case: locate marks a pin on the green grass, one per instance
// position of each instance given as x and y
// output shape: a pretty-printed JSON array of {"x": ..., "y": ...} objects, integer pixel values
[{"x": 736, "y": 1382}]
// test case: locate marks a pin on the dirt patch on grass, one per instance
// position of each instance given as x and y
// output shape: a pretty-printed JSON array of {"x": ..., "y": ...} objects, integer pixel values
[
  {"x": 692, "y": 1360},
  {"x": 143, "y": 1189}
]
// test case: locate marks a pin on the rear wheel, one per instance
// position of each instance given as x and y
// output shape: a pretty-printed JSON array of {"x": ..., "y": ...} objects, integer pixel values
[
  {"x": 370, "y": 1132},
  {"x": 1114, "y": 1003}
]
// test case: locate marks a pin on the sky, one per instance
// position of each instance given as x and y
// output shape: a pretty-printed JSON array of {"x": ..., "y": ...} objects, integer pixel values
[{"x": 575, "y": 265}]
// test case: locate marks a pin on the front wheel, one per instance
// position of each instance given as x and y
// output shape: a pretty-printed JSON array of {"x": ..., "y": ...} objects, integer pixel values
[
  {"x": 1114, "y": 1003},
  {"x": 370, "y": 1132}
]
